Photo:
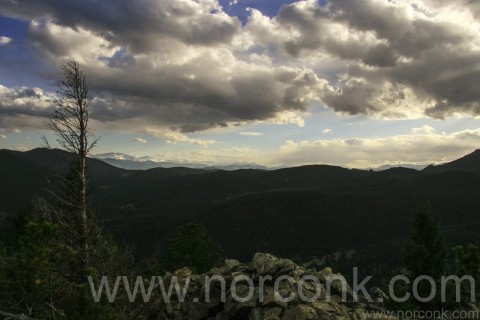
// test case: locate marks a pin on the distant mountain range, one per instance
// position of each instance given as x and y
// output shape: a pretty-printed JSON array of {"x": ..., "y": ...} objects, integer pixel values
[
  {"x": 128, "y": 162},
  {"x": 403, "y": 165},
  {"x": 292, "y": 212}
]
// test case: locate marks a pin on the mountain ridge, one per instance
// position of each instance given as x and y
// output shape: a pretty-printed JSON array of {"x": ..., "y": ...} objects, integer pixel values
[
  {"x": 128, "y": 162},
  {"x": 309, "y": 210},
  {"x": 467, "y": 163}
]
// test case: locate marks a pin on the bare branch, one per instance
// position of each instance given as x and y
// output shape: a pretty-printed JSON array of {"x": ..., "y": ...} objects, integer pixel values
[
  {"x": 11, "y": 316},
  {"x": 69, "y": 123}
]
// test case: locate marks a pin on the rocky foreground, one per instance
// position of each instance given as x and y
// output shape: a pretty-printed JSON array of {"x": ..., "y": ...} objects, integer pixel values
[{"x": 265, "y": 303}]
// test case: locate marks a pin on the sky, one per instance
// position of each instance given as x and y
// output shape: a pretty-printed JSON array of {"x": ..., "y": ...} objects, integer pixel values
[{"x": 355, "y": 83}]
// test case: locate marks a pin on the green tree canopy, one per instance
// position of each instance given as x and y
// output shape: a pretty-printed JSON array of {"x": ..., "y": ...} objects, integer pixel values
[
  {"x": 193, "y": 247},
  {"x": 467, "y": 263},
  {"x": 426, "y": 253}
]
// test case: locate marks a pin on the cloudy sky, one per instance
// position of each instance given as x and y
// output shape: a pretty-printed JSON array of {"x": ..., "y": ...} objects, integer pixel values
[{"x": 357, "y": 83}]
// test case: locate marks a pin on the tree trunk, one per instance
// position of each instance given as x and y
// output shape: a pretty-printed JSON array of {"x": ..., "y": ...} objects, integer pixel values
[{"x": 83, "y": 227}]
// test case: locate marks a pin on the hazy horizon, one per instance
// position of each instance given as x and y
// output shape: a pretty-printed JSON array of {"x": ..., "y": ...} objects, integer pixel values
[{"x": 132, "y": 162}]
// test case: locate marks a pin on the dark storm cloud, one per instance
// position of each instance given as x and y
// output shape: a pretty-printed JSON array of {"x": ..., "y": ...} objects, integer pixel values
[
  {"x": 408, "y": 36},
  {"x": 186, "y": 65},
  {"x": 449, "y": 76},
  {"x": 392, "y": 48},
  {"x": 169, "y": 99},
  {"x": 441, "y": 65},
  {"x": 315, "y": 31},
  {"x": 24, "y": 107},
  {"x": 134, "y": 23},
  {"x": 164, "y": 63},
  {"x": 25, "y": 101}
]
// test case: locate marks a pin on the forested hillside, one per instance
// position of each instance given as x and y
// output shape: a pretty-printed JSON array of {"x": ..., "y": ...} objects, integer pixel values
[{"x": 296, "y": 212}]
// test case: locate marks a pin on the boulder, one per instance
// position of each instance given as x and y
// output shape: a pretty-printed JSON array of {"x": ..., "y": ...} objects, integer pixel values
[
  {"x": 266, "y": 264},
  {"x": 273, "y": 306},
  {"x": 301, "y": 312}
]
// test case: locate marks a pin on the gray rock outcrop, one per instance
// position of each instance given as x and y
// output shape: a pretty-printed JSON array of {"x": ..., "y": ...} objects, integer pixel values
[{"x": 258, "y": 291}]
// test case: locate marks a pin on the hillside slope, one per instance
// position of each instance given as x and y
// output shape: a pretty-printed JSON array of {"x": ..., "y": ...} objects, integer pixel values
[{"x": 294, "y": 212}]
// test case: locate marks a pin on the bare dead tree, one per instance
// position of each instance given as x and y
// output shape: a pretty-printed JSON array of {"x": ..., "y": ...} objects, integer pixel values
[
  {"x": 70, "y": 124},
  {"x": 77, "y": 223}
]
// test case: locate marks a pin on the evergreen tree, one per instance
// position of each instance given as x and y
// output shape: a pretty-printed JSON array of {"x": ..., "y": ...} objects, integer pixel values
[
  {"x": 193, "y": 248},
  {"x": 35, "y": 272},
  {"x": 45, "y": 274},
  {"x": 426, "y": 254},
  {"x": 467, "y": 263},
  {"x": 38, "y": 274}
]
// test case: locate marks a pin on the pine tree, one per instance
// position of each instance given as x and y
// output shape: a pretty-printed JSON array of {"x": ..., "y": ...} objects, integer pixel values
[
  {"x": 193, "y": 248},
  {"x": 467, "y": 263},
  {"x": 426, "y": 254}
]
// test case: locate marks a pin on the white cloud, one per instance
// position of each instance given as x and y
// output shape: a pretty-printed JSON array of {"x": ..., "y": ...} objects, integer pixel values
[
  {"x": 354, "y": 152},
  {"x": 425, "y": 130},
  {"x": 213, "y": 157},
  {"x": 178, "y": 67},
  {"x": 139, "y": 140},
  {"x": 205, "y": 86},
  {"x": 60, "y": 43},
  {"x": 288, "y": 117},
  {"x": 24, "y": 108},
  {"x": 244, "y": 150},
  {"x": 380, "y": 54},
  {"x": 327, "y": 130},
  {"x": 2, "y": 136},
  {"x": 5, "y": 40},
  {"x": 19, "y": 147},
  {"x": 374, "y": 152},
  {"x": 10, "y": 130},
  {"x": 251, "y": 133},
  {"x": 173, "y": 137}
]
